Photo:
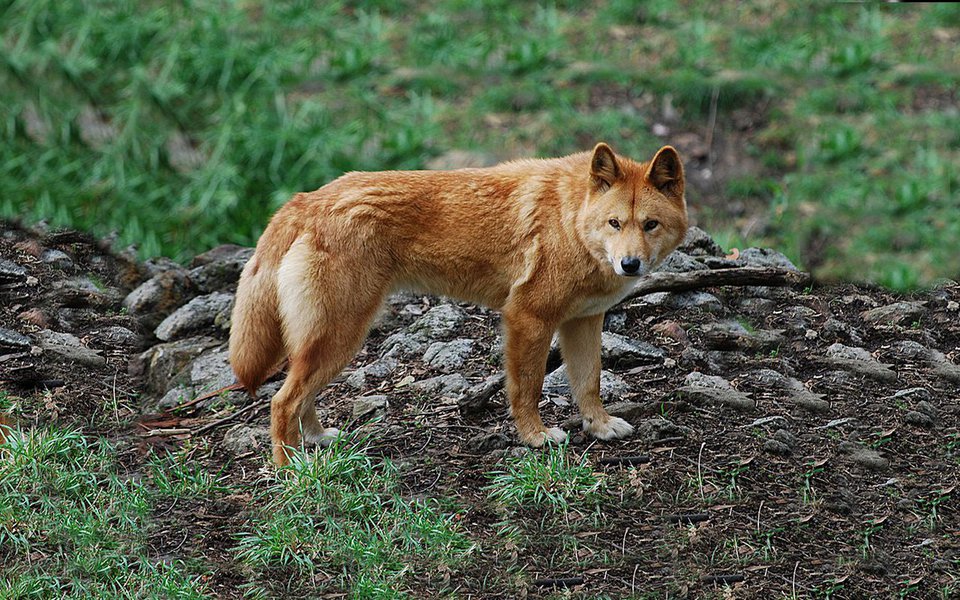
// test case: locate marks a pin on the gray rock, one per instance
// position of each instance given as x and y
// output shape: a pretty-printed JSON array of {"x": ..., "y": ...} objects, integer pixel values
[
  {"x": 160, "y": 295},
  {"x": 859, "y": 361},
  {"x": 117, "y": 336},
  {"x": 476, "y": 398},
  {"x": 926, "y": 408},
  {"x": 794, "y": 389},
  {"x": 174, "y": 397},
  {"x": 898, "y": 313},
  {"x": 199, "y": 313},
  {"x": 777, "y": 447},
  {"x": 69, "y": 348},
  {"x": 618, "y": 351},
  {"x": 448, "y": 356},
  {"x": 444, "y": 385},
  {"x": 615, "y": 321},
  {"x": 731, "y": 335},
  {"x": 764, "y": 257},
  {"x": 698, "y": 242},
  {"x": 162, "y": 363},
  {"x": 833, "y": 329},
  {"x": 219, "y": 268},
  {"x": 757, "y": 306},
  {"x": 57, "y": 259},
  {"x": 920, "y": 419},
  {"x": 678, "y": 262},
  {"x": 611, "y": 386},
  {"x": 785, "y": 437},
  {"x": 656, "y": 298},
  {"x": 12, "y": 273},
  {"x": 379, "y": 368},
  {"x": 82, "y": 291},
  {"x": 211, "y": 371},
  {"x": 370, "y": 407},
  {"x": 440, "y": 321},
  {"x": 909, "y": 350},
  {"x": 12, "y": 341},
  {"x": 715, "y": 390},
  {"x": 404, "y": 344},
  {"x": 942, "y": 367},
  {"x": 913, "y": 393},
  {"x": 242, "y": 439},
  {"x": 695, "y": 300},
  {"x": 866, "y": 457},
  {"x": 767, "y": 420},
  {"x": 487, "y": 442},
  {"x": 653, "y": 430}
]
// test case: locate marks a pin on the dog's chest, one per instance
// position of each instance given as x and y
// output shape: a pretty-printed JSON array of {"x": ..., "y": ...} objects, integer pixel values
[{"x": 599, "y": 303}]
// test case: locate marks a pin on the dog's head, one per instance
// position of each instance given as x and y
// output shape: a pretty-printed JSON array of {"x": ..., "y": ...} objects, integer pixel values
[{"x": 635, "y": 214}]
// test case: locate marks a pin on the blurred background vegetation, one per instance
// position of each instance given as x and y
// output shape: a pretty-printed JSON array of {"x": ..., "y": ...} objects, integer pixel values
[{"x": 828, "y": 131}]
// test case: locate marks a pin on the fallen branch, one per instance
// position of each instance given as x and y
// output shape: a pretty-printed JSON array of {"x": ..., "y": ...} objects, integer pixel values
[
  {"x": 231, "y": 417},
  {"x": 695, "y": 280}
]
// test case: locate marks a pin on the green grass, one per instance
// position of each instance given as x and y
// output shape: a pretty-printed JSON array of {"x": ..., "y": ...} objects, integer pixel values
[
  {"x": 175, "y": 476},
  {"x": 550, "y": 479},
  {"x": 72, "y": 526},
  {"x": 185, "y": 125},
  {"x": 338, "y": 519}
]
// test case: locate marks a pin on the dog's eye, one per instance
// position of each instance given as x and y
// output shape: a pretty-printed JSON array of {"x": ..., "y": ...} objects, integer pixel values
[
  {"x": 651, "y": 225},
  {"x": 615, "y": 224}
]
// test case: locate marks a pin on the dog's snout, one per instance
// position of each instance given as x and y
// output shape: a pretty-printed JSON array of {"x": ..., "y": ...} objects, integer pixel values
[{"x": 630, "y": 264}]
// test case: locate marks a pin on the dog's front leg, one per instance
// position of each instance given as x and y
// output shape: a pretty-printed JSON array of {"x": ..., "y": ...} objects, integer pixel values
[
  {"x": 527, "y": 344},
  {"x": 580, "y": 344}
]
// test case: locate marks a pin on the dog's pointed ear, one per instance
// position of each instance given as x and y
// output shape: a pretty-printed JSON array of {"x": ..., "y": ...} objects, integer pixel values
[
  {"x": 666, "y": 173},
  {"x": 604, "y": 170}
]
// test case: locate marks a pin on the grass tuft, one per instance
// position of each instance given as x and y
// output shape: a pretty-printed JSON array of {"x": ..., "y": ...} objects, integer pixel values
[
  {"x": 338, "y": 518},
  {"x": 550, "y": 479},
  {"x": 72, "y": 526}
]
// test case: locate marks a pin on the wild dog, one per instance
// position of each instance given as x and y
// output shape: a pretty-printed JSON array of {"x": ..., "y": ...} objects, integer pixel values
[{"x": 551, "y": 243}]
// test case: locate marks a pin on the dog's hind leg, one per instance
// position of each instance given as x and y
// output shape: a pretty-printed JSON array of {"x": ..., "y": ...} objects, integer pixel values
[{"x": 324, "y": 325}]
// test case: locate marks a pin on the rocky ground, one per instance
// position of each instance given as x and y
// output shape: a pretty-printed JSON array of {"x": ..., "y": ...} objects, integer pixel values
[{"x": 789, "y": 442}]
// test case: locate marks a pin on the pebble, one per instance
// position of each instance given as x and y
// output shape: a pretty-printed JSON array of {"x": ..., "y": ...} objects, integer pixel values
[
  {"x": 370, "y": 407},
  {"x": 898, "y": 313},
  {"x": 199, "y": 313},
  {"x": 622, "y": 352},
  {"x": 242, "y": 439},
  {"x": 69, "y": 348},
  {"x": 12, "y": 341},
  {"x": 448, "y": 356}
]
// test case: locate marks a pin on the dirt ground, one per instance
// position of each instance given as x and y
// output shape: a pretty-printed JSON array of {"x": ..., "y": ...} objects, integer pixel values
[{"x": 846, "y": 487}]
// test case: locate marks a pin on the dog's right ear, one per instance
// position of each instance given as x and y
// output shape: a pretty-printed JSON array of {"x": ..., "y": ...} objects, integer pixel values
[{"x": 604, "y": 170}]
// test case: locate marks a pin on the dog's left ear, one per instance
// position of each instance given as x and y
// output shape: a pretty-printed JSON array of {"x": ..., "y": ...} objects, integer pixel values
[
  {"x": 604, "y": 169},
  {"x": 666, "y": 173}
]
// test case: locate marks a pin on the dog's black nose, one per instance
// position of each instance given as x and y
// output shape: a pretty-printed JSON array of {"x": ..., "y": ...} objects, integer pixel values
[{"x": 630, "y": 265}]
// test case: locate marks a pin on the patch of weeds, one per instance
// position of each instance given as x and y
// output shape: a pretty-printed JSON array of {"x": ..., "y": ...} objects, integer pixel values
[
  {"x": 931, "y": 505},
  {"x": 72, "y": 525},
  {"x": 177, "y": 476},
  {"x": 731, "y": 474},
  {"x": 337, "y": 519},
  {"x": 869, "y": 529},
  {"x": 814, "y": 468},
  {"x": 831, "y": 589},
  {"x": 549, "y": 479}
]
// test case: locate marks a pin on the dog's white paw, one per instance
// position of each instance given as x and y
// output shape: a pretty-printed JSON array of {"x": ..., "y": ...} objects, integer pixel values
[
  {"x": 553, "y": 435},
  {"x": 323, "y": 438},
  {"x": 611, "y": 429}
]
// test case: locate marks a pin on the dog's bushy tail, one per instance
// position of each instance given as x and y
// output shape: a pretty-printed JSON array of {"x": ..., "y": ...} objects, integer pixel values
[{"x": 256, "y": 337}]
